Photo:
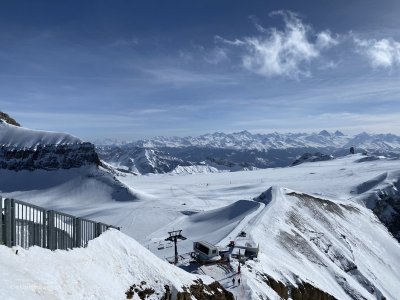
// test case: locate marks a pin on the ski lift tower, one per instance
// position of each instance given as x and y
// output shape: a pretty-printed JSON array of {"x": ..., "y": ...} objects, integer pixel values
[{"x": 174, "y": 236}]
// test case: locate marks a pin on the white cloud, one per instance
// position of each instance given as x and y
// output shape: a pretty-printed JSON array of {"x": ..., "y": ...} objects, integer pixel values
[
  {"x": 384, "y": 53},
  {"x": 179, "y": 77},
  {"x": 326, "y": 40},
  {"x": 283, "y": 52}
]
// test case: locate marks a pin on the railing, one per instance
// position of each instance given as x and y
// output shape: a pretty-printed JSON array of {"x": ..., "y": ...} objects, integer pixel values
[{"x": 23, "y": 224}]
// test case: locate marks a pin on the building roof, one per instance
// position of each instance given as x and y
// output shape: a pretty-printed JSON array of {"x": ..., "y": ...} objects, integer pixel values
[{"x": 208, "y": 245}]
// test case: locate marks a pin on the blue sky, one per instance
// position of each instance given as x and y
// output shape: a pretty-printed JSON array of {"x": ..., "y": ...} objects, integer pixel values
[{"x": 130, "y": 69}]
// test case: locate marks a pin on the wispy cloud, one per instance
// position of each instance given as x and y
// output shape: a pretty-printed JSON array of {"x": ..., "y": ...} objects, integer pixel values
[
  {"x": 284, "y": 52},
  {"x": 213, "y": 55},
  {"x": 178, "y": 76},
  {"x": 383, "y": 53},
  {"x": 216, "y": 56}
]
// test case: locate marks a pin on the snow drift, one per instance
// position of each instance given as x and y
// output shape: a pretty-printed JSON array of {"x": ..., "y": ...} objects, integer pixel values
[{"x": 104, "y": 270}]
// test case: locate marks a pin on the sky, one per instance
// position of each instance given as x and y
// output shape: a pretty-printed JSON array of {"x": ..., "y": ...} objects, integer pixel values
[{"x": 128, "y": 70}]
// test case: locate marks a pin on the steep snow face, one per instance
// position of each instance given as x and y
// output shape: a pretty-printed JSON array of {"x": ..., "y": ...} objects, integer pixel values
[
  {"x": 26, "y": 149},
  {"x": 86, "y": 191},
  {"x": 104, "y": 270},
  {"x": 194, "y": 169},
  {"x": 381, "y": 194},
  {"x": 339, "y": 247}
]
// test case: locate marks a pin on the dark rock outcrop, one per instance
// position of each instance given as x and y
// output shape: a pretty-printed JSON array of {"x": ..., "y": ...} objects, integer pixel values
[
  {"x": 201, "y": 291},
  {"x": 387, "y": 209},
  {"x": 48, "y": 157},
  {"x": 198, "y": 290},
  {"x": 303, "y": 290},
  {"x": 8, "y": 119},
  {"x": 311, "y": 157}
]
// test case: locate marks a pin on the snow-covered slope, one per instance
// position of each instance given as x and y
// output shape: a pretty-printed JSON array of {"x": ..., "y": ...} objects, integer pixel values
[
  {"x": 140, "y": 160},
  {"x": 87, "y": 191},
  {"x": 18, "y": 137},
  {"x": 300, "y": 235},
  {"x": 200, "y": 168},
  {"x": 155, "y": 161},
  {"x": 338, "y": 247},
  {"x": 26, "y": 149},
  {"x": 106, "y": 269}
]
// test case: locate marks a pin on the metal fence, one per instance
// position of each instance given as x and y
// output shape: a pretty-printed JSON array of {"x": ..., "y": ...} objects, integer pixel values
[{"x": 23, "y": 224}]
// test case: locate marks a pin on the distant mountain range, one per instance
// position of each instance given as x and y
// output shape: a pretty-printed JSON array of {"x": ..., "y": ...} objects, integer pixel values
[{"x": 238, "y": 151}]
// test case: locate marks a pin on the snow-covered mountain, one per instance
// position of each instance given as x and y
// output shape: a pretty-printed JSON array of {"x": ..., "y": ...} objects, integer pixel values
[
  {"x": 240, "y": 151},
  {"x": 26, "y": 149},
  {"x": 317, "y": 236},
  {"x": 264, "y": 142},
  {"x": 140, "y": 160},
  {"x": 43, "y": 160},
  {"x": 314, "y": 227},
  {"x": 326, "y": 229}
]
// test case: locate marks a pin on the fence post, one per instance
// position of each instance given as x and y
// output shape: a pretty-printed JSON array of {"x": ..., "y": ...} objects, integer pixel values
[
  {"x": 51, "y": 242},
  {"x": 78, "y": 232},
  {"x": 98, "y": 229},
  {"x": 9, "y": 222},
  {"x": 1, "y": 221}
]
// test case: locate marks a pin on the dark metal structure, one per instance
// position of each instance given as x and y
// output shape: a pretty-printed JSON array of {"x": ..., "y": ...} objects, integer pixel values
[
  {"x": 24, "y": 224},
  {"x": 174, "y": 236}
]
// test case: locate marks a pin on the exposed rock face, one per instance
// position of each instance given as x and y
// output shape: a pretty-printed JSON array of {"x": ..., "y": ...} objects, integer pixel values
[
  {"x": 201, "y": 291},
  {"x": 198, "y": 290},
  {"x": 303, "y": 290},
  {"x": 48, "y": 157},
  {"x": 26, "y": 149},
  {"x": 387, "y": 209},
  {"x": 384, "y": 201},
  {"x": 8, "y": 119}
]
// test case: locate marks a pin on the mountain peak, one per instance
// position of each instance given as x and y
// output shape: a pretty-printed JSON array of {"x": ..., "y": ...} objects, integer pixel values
[
  {"x": 324, "y": 133},
  {"x": 5, "y": 117},
  {"x": 339, "y": 133}
]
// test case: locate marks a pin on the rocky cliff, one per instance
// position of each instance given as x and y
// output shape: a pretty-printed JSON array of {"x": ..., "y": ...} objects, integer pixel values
[{"x": 25, "y": 149}]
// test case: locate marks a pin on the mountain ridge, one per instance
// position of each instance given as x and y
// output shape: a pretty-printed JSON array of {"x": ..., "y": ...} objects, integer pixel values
[
  {"x": 26, "y": 149},
  {"x": 257, "y": 141},
  {"x": 241, "y": 150}
]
